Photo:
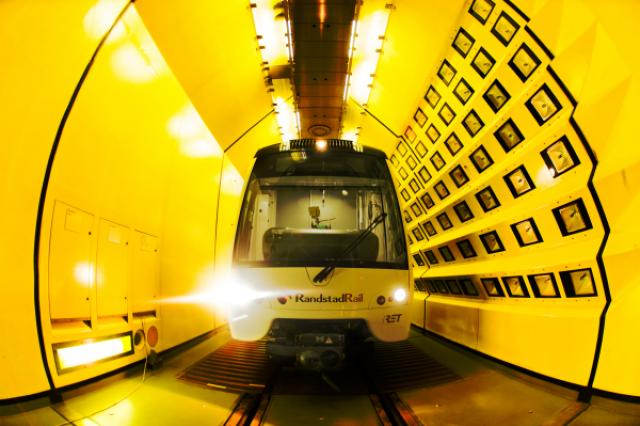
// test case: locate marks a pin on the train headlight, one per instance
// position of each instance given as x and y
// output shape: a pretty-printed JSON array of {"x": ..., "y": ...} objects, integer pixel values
[
  {"x": 236, "y": 295},
  {"x": 400, "y": 295}
]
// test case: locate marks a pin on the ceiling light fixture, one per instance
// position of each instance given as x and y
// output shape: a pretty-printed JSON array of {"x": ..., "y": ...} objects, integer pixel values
[
  {"x": 367, "y": 40},
  {"x": 273, "y": 32}
]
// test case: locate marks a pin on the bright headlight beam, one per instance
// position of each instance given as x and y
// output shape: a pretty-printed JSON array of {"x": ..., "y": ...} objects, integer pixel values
[{"x": 400, "y": 295}]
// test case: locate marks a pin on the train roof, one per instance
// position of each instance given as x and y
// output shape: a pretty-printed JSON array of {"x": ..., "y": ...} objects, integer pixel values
[{"x": 334, "y": 145}]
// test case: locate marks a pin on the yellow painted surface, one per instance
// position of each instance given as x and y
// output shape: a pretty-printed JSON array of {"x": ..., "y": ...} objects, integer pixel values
[
  {"x": 555, "y": 337},
  {"x": 143, "y": 151},
  {"x": 71, "y": 265},
  {"x": 417, "y": 33},
  {"x": 137, "y": 157},
  {"x": 212, "y": 49},
  {"x": 592, "y": 43},
  {"x": 145, "y": 273},
  {"x": 457, "y": 320},
  {"x": 41, "y": 67}
]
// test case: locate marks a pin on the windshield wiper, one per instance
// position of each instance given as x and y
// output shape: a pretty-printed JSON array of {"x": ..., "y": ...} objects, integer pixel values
[{"x": 324, "y": 273}]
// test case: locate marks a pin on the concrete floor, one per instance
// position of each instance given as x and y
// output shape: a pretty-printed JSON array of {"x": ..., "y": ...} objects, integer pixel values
[
  {"x": 486, "y": 394},
  {"x": 124, "y": 399}
]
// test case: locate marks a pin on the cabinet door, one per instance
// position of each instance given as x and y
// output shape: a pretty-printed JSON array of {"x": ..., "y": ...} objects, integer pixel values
[
  {"x": 145, "y": 283},
  {"x": 112, "y": 274},
  {"x": 71, "y": 263}
]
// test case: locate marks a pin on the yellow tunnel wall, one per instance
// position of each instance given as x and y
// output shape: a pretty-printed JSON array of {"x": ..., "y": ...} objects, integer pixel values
[
  {"x": 136, "y": 164},
  {"x": 129, "y": 221},
  {"x": 530, "y": 146}
]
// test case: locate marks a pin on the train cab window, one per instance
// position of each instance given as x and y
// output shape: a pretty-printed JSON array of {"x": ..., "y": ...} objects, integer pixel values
[{"x": 308, "y": 208}]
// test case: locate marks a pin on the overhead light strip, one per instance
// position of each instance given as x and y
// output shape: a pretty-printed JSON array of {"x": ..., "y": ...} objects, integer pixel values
[
  {"x": 367, "y": 39},
  {"x": 275, "y": 40}
]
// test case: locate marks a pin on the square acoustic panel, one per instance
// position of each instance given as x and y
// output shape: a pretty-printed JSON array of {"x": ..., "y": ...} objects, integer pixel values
[
  {"x": 446, "y": 114},
  {"x": 414, "y": 185},
  {"x": 421, "y": 150},
  {"x": 446, "y": 254},
  {"x": 463, "y": 211},
  {"x": 496, "y": 96},
  {"x": 466, "y": 249},
  {"x": 519, "y": 182},
  {"x": 441, "y": 190},
  {"x": 432, "y": 96},
  {"x": 453, "y": 144},
  {"x": 487, "y": 199},
  {"x": 446, "y": 72},
  {"x": 429, "y": 228},
  {"x": 544, "y": 285},
  {"x": 403, "y": 173},
  {"x": 468, "y": 288},
  {"x": 410, "y": 134},
  {"x": 572, "y": 217},
  {"x": 543, "y": 105},
  {"x": 524, "y": 62},
  {"x": 458, "y": 176},
  {"x": 463, "y": 91},
  {"x": 560, "y": 157},
  {"x": 444, "y": 221},
  {"x": 463, "y": 42},
  {"x": 416, "y": 209},
  {"x": 526, "y": 232},
  {"x": 492, "y": 287},
  {"x": 505, "y": 28},
  {"x": 427, "y": 200},
  {"x": 578, "y": 283},
  {"x": 433, "y": 133},
  {"x": 417, "y": 234},
  {"x": 492, "y": 242},
  {"x": 483, "y": 62},
  {"x": 453, "y": 286},
  {"x": 411, "y": 162},
  {"x": 481, "y": 159},
  {"x": 441, "y": 286},
  {"x": 420, "y": 117},
  {"x": 402, "y": 148},
  {"x": 431, "y": 257},
  {"x": 424, "y": 174},
  {"x": 508, "y": 135},
  {"x": 407, "y": 216},
  {"x": 437, "y": 161},
  {"x": 481, "y": 9},
  {"x": 515, "y": 286},
  {"x": 472, "y": 123}
]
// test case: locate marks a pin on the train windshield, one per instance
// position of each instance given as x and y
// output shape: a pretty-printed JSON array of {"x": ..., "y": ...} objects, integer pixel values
[{"x": 319, "y": 209}]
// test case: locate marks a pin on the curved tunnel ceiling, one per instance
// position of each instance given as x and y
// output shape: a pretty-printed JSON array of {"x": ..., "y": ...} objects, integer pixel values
[{"x": 198, "y": 51}]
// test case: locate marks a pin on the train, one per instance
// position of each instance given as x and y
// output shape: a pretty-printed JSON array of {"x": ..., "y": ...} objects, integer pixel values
[{"x": 320, "y": 252}]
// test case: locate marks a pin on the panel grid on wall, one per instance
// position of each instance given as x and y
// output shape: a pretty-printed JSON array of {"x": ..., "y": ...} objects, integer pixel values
[{"x": 492, "y": 171}]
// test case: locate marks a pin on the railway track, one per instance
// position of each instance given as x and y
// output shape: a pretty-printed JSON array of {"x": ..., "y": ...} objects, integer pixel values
[
  {"x": 251, "y": 409},
  {"x": 377, "y": 371}
]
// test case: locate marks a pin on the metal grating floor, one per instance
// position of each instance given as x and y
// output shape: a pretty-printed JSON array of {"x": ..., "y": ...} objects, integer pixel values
[
  {"x": 236, "y": 366},
  {"x": 402, "y": 365},
  {"x": 380, "y": 367}
]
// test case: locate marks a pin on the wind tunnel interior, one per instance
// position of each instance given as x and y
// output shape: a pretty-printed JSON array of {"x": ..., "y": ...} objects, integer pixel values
[{"x": 130, "y": 131}]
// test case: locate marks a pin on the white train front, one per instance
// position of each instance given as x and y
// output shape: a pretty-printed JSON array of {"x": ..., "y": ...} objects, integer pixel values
[{"x": 320, "y": 252}]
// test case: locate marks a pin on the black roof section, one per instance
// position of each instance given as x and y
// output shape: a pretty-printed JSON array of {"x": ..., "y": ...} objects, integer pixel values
[{"x": 309, "y": 144}]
